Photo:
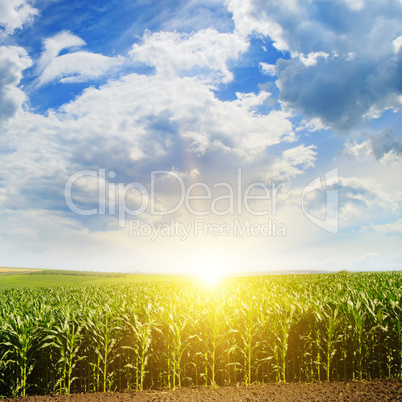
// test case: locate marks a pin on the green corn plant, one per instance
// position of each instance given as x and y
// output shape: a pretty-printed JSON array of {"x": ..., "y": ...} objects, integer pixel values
[
  {"x": 267, "y": 352},
  {"x": 378, "y": 336},
  {"x": 214, "y": 330},
  {"x": 357, "y": 316},
  {"x": 140, "y": 325},
  {"x": 281, "y": 323},
  {"x": 66, "y": 339},
  {"x": 248, "y": 326},
  {"x": 3, "y": 370},
  {"x": 309, "y": 345},
  {"x": 332, "y": 337},
  {"x": 102, "y": 332},
  {"x": 395, "y": 328},
  {"x": 44, "y": 373},
  {"x": 328, "y": 337},
  {"x": 19, "y": 335},
  {"x": 176, "y": 331}
]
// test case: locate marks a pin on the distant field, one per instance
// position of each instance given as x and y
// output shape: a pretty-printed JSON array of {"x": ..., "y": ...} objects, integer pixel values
[
  {"x": 6, "y": 270},
  {"x": 31, "y": 278}
]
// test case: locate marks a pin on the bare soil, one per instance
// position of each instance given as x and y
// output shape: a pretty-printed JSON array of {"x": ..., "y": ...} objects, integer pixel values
[{"x": 323, "y": 391}]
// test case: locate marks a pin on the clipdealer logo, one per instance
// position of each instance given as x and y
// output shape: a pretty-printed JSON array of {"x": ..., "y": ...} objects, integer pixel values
[{"x": 112, "y": 197}]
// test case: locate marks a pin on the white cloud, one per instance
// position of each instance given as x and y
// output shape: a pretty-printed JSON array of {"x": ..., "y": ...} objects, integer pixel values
[
  {"x": 385, "y": 147},
  {"x": 14, "y": 14},
  {"x": 363, "y": 202},
  {"x": 204, "y": 53},
  {"x": 312, "y": 58},
  {"x": 312, "y": 125},
  {"x": 136, "y": 125},
  {"x": 156, "y": 111},
  {"x": 339, "y": 26},
  {"x": 397, "y": 44},
  {"x": 54, "y": 45},
  {"x": 390, "y": 229},
  {"x": 293, "y": 162},
  {"x": 78, "y": 66},
  {"x": 13, "y": 60},
  {"x": 268, "y": 69},
  {"x": 366, "y": 192},
  {"x": 363, "y": 71},
  {"x": 355, "y": 4},
  {"x": 360, "y": 151},
  {"x": 249, "y": 19}
]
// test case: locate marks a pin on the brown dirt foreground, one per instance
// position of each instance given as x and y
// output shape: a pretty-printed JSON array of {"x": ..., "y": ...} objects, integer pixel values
[{"x": 324, "y": 391}]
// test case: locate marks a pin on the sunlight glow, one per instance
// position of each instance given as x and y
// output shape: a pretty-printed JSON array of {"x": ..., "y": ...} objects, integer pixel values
[{"x": 211, "y": 270}]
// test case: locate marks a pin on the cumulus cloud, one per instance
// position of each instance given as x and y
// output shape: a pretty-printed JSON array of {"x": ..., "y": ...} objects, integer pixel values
[
  {"x": 13, "y": 60},
  {"x": 293, "y": 162},
  {"x": 14, "y": 14},
  {"x": 312, "y": 125},
  {"x": 139, "y": 124},
  {"x": 249, "y": 17},
  {"x": 153, "y": 113},
  {"x": 345, "y": 60},
  {"x": 268, "y": 69},
  {"x": 204, "y": 53},
  {"x": 77, "y": 66},
  {"x": 385, "y": 146},
  {"x": 311, "y": 59},
  {"x": 362, "y": 201}
]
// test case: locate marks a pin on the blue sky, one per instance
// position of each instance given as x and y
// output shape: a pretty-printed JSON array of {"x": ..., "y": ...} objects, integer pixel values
[{"x": 281, "y": 91}]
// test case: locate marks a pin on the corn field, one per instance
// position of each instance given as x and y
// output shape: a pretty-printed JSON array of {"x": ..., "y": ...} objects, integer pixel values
[{"x": 180, "y": 333}]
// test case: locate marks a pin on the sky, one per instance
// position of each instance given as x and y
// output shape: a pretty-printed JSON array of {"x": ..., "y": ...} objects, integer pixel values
[{"x": 190, "y": 136}]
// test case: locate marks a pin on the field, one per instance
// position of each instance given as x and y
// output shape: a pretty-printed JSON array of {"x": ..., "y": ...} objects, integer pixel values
[
  {"x": 170, "y": 334},
  {"x": 29, "y": 278}
]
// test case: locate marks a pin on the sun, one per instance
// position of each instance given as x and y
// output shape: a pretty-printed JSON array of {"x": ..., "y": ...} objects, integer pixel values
[
  {"x": 210, "y": 270},
  {"x": 210, "y": 276}
]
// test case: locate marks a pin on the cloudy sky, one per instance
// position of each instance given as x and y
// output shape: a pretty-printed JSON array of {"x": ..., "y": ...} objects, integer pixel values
[{"x": 180, "y": 136}]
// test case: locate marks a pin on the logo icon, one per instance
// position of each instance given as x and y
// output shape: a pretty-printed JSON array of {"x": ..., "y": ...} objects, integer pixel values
[{"x": 331, "y": 221}]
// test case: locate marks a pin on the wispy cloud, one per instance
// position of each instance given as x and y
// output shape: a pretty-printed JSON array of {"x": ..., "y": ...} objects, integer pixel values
[{"x": 76, "y": 66}]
